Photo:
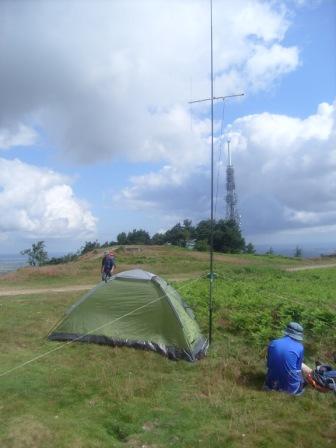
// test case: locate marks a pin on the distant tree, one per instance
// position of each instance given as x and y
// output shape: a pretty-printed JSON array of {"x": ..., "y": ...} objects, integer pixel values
[
  {"x": 37, "y": 255},
  {"x": 122, "y": 238},
  {"x": 89, "y": 246},
  {"x": 227, "y": 237},
  {"x": 187, "y": 224},
  {"x": 202, "y": 245},
  {"x": 158, "y": 239},
  {"x": 298, "y": 252},
  {"x": 138, "y": 237},
  {"x": 218, "y": 240},
  {"x": 202, "y": 230},
  {"x": 249, "y": 249},
  {"x": 189, "y": 230},
  {"x": 64, "y": 259},
  {"x": 270, "y": 251},
  {"x": 176, "y": 235}
]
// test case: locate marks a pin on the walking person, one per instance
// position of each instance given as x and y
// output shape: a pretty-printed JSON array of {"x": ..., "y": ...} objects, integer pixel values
[{"x": 108, "y": 265}]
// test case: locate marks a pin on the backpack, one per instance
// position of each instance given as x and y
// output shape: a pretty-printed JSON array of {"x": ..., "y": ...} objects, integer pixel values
[
  {"x": 323, "y": 378},
  {"x": 108, "y": 263}
]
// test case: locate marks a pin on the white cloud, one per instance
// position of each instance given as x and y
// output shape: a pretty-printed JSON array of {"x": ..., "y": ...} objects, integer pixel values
[
  {"x": 268, "y": 64},
  {"x": 39, "y": 202},
  {"x": 266, "y": 130},
  {"x": 21, "y": 135},
  {"x": 285, "y": 174},
  {"x": 117, "y": 81},
  {"x": 260, "y": 20}
]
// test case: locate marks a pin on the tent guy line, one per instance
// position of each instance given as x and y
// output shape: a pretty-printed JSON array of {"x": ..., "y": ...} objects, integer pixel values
[
  {"x": 42, "y": 355},
  {"x": 78, "y": 338}
]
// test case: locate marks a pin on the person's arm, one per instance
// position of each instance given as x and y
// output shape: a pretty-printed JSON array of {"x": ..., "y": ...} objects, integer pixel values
[{"x": 306, "y": 370}]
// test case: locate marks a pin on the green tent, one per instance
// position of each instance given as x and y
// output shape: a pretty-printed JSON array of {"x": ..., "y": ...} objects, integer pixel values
[{"x": 137, "y": 309}]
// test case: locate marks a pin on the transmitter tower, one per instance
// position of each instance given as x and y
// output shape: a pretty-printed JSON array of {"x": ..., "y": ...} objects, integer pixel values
[{"x": 231, "y": 196}]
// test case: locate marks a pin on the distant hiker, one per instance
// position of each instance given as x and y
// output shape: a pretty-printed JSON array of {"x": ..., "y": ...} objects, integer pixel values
[
  {"x": 108, "y": 265},
  {"x": 284, "y": 362}
]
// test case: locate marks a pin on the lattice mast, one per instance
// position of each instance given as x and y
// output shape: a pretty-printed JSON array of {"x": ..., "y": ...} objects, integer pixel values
[{"x": 231, "y": 196}]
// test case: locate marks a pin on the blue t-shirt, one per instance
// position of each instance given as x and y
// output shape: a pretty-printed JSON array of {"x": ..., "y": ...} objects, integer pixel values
[{"x": 284, "y": 361}]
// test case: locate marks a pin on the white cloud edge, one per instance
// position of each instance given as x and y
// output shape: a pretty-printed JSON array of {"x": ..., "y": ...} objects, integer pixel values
[{"x": 40, "y": 202}]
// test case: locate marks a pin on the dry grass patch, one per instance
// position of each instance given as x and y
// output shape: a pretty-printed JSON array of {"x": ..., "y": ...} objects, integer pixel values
[{"x": 27, "y": 432}]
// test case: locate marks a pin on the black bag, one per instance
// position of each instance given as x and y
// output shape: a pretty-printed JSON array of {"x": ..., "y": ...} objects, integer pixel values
[{"x": 325, "y": 376}]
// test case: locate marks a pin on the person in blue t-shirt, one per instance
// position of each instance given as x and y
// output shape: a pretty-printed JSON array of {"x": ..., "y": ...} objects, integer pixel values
[{"x": 285, "y": 362}]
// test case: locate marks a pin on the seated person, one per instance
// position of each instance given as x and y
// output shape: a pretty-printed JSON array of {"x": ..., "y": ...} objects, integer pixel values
[{"x": 285, "y": 362}]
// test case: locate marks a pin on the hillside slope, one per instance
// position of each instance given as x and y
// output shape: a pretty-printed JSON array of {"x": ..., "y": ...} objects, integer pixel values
[{"x": 87, "y": 396}]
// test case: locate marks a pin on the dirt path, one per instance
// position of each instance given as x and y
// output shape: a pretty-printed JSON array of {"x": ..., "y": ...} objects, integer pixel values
[
  {"x": 26, "y": 291},
  {"x": 315, "y": 266},
  {"x": 173, "y": 278},
  {"x": 19, "y": 292}
]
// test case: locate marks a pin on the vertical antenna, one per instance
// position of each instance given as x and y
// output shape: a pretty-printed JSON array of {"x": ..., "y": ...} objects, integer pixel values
[
  {"x": 211, "y": 275},
  {"x": 212, "y": 186},
  {"x": 191, "y": 93}
]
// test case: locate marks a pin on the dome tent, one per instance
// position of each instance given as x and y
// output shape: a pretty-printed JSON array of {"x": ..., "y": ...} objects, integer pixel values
[{"x": 136, "y": 309}]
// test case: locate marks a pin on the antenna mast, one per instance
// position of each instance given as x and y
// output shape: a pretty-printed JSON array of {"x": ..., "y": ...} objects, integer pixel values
[{"x": 211, "y": 275}]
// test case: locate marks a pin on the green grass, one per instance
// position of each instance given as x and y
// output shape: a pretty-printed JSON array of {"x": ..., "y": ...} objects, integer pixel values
[{"x": 96, "y": 396}]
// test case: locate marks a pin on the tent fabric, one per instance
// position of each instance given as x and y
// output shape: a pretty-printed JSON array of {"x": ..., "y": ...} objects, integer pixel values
[
  {"x": 136, "y": 309},
  {"x": 135, "y": 274}
]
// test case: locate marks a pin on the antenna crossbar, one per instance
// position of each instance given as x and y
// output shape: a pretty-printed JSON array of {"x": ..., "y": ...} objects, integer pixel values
[{"x": 215, "y": 98}]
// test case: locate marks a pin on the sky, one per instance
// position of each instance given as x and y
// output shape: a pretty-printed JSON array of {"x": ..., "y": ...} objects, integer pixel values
[{"x": 97, "y": 135}]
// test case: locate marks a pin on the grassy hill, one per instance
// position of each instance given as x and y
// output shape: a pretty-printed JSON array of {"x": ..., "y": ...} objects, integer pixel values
[{"x": 85, "y": 396}]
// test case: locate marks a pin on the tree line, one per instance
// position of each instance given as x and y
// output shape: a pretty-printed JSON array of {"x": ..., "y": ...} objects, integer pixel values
[{"x": 227, "y": 238}]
